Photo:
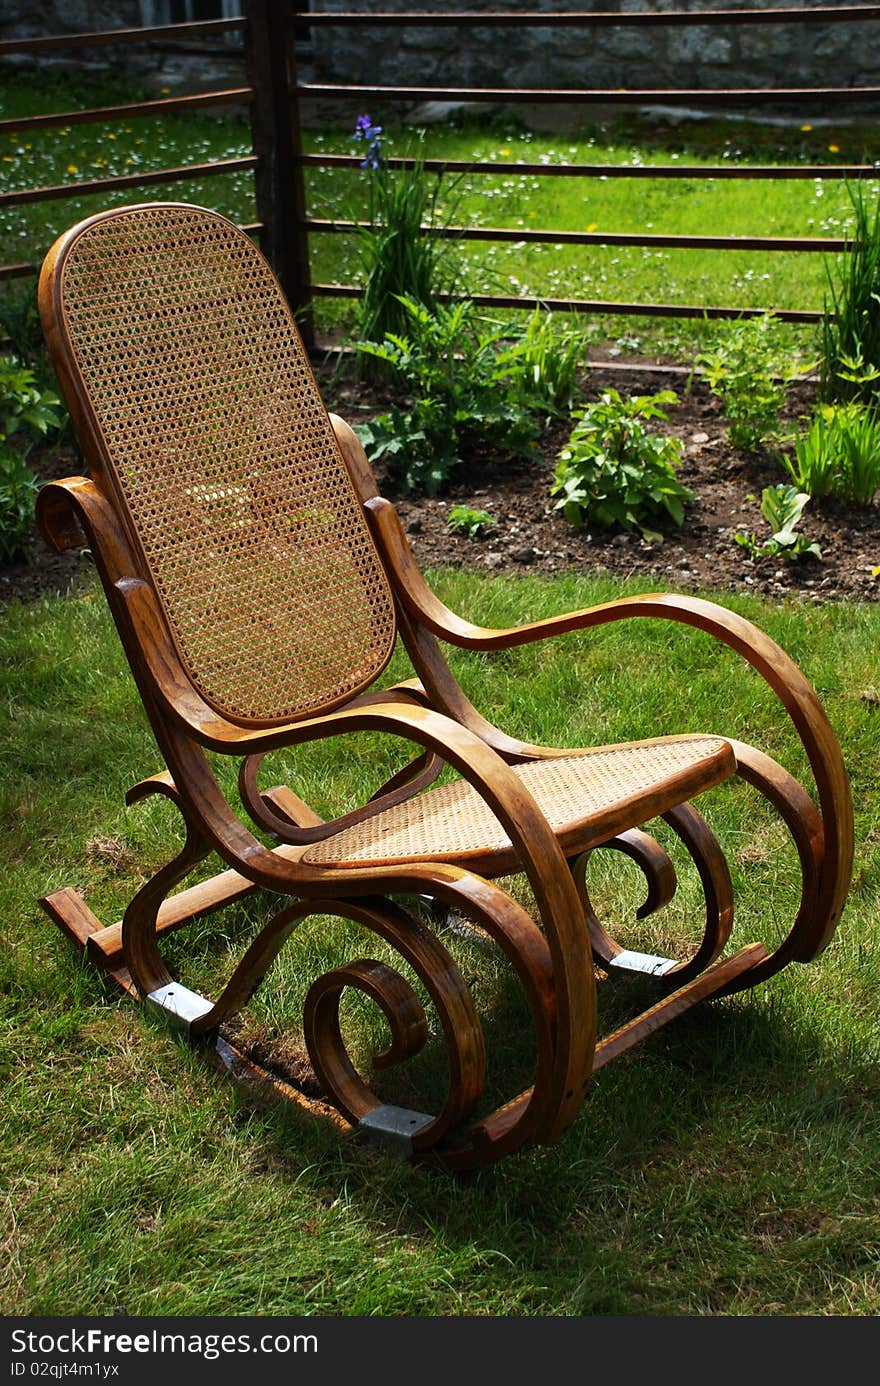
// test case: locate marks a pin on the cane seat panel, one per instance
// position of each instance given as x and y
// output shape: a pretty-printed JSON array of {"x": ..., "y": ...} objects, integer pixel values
[{"x": 452, "y": 822}]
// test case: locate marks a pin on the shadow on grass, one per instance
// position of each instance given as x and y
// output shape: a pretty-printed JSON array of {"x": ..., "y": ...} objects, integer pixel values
[{"x": 706, "y": 1087}]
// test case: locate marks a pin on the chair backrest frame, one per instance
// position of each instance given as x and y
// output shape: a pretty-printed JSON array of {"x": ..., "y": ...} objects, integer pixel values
[{"x": 203, "y": 425}]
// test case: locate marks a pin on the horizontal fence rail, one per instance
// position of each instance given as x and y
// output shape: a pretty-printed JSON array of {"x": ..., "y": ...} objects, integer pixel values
[
  {"x": 166, "y": 105},
  {"x": 522, "y": 236},
  {"x": 599, "y": 306},
  {"x": 105, "y": 38},
  {"x": 640, "y": 96},
  {"x": 366, "y": 95},
  {"x": 142, "y": 179},
  {"x": 506, "y": 168},
  {"x": 19, "y": 271},
  {"x": 582, "y": 19}
]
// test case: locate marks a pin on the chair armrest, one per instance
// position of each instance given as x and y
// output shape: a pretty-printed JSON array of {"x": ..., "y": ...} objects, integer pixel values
[
  {"x": 771, "y": 662},
  {"x": 58, "y": 522}
]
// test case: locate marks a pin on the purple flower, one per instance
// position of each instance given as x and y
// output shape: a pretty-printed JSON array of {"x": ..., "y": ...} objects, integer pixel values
[{"x": 365, "y": 130}]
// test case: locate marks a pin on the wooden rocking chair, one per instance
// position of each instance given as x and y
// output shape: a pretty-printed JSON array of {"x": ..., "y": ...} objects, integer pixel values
[{"x": 258, "y": 582}]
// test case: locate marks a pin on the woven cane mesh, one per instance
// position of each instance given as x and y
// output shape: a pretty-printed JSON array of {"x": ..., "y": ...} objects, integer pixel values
[
  {"x": 220, "y": 444},
  {"x": 452, "y": 820}
]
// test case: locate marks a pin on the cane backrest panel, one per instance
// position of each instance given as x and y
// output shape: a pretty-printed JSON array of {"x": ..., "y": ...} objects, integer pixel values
[{"x": 213, "y": 432}]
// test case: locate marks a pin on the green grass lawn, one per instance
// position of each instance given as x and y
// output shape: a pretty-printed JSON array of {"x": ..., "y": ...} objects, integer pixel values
[
  {"x": 687, "y": 206},
  {"x": 698, "y": 206},
  {"x": 729, "y": 1166}
]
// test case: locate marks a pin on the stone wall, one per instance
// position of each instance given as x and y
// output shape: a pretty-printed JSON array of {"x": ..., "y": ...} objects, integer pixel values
[
  {"x": 814, "y": 54},
  {"x": 703, "y": 56}
]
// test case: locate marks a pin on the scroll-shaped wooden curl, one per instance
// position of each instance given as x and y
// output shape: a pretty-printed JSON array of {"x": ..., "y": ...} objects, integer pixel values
[
  {"x": 693, "y": 831},
  {"x": 450, "y": 996},
  {"x": 402, "y": 1009}
]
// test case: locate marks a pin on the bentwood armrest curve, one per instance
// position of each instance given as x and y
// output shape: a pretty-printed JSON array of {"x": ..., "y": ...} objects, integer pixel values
[
  {"x": 58, "y": 507},
  {"x": 769, "y": 660}
]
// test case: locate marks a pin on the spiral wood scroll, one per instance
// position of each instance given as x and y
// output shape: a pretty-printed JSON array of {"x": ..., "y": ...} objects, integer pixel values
[{"x": 445, "y": 1136}]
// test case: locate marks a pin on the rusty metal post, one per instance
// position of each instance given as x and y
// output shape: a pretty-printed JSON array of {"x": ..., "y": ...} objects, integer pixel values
[{"x": 280, "y": 191}]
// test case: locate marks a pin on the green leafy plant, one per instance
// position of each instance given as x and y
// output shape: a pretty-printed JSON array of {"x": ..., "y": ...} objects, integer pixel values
[
  {"x": 782, "y": 507},
  {"x": 460, "y": 403},
  {"x": 815, "y": 464},
  {"x": 401, "y": 253},
  {"x": 544, "y": 363},
  {"x": 24, "y": 407},
  {"x": 613, "y": 471},
  {"x": 26, "y": 413},
  {"x": 749, "y": 369},
  {"x": 839, "y": 454},
  {"x": 850, "y": 334},
  {"x": 18, "y": 492},
  {"x": 20, "y": 322},
  {"x": 469, "y": 521}
]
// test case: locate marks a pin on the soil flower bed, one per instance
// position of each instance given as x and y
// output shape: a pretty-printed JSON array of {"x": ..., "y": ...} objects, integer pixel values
[{"x": 528, "y": 534}]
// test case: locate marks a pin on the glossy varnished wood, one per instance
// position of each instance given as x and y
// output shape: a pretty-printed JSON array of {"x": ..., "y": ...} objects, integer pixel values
[
  {"x": 428, "y": 620},
  {"x": 551, "y": 950}
]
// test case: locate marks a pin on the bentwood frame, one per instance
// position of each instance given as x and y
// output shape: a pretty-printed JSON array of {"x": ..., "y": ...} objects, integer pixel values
[{"x": 258, "y": 582}]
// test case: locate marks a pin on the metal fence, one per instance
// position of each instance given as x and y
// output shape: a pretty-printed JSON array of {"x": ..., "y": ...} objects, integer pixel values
[
  {"x": 37, "y": 47},
  {"x": 274, "y": 96}
]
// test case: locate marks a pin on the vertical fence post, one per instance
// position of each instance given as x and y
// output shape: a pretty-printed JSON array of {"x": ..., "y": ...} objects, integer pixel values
[{"x": 280, "y": 192}]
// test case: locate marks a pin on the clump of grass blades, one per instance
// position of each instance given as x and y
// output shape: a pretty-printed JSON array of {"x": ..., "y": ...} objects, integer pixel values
[
  {"x": 850, "y": 334},
  {"x": 401, "y": 252},
  {"x": 839, "y": 454},
  {"x": 545, "y": 361}
]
